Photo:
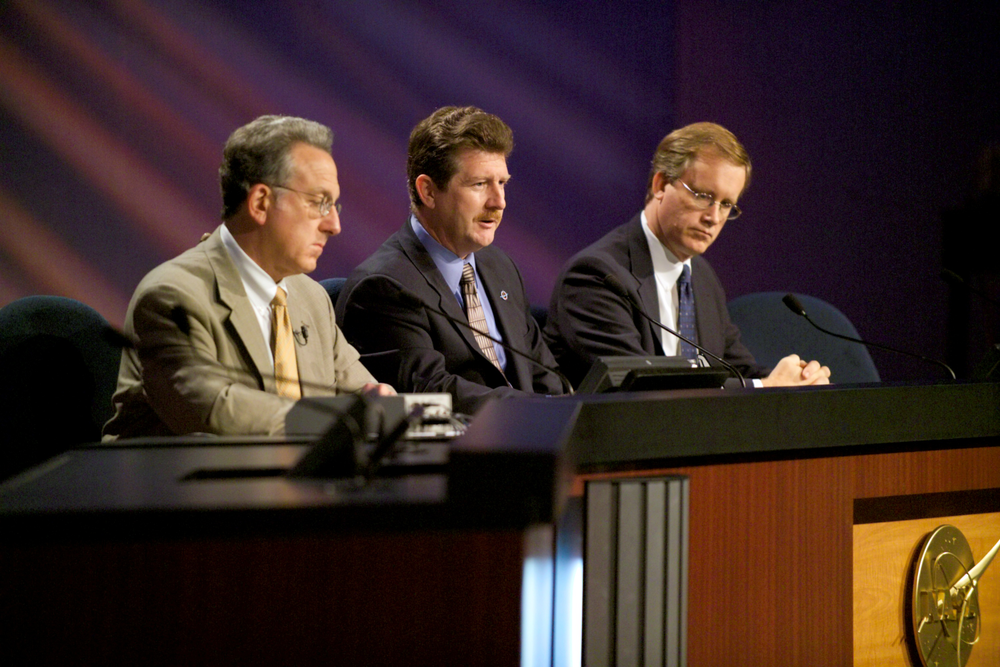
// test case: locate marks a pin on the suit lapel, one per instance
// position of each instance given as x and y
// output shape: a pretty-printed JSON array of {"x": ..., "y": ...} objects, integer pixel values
[
  {"x": 707, "y": 324},
  {"x": 235, "y": 308},
  {"x": 492, "y": 275},
  {"x": 309, "y": 357},
  {"x": 642, "y": 270}
]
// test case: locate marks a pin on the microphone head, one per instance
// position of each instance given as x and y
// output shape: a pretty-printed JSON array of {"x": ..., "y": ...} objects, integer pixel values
[
  {"x": 794, "y": 305},
  {"x": 117, "y": 338},
  {"x": 952, "y": 278}
]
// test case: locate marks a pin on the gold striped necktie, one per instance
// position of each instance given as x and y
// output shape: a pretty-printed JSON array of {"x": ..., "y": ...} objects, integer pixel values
[
  {"x": 477, "y": 318},
  {"x": 286, "y": 369}
]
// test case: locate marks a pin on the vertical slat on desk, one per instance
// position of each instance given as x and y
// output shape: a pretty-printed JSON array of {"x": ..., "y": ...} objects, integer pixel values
[
  {"x": 599, "y": 573},
  {"x": 537, "y": 596},
  {"x": 567, "y": 640},
  {"x": 629, "y": 596},
  {"x": 676, "y": 518},
  {"x": 635, "y": 572},
  {"x": 657, "y": 576}
]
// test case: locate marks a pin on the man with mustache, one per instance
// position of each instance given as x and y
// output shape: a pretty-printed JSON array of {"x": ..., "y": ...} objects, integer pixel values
[
  {"x": 230, "y": 334},
  {"x": 443, "y": 258},
  {"x": 698, "y": 174}
]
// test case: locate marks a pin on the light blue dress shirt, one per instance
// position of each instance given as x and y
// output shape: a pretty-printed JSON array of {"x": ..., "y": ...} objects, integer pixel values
[{"x": 450, "y": 265}]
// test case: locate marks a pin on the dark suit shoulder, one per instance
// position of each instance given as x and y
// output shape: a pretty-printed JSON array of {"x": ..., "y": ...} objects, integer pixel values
[
  {"x": 609, "y": 255},
  {"x": 389, "y": 266},
  {"x": 387, "y": 258},
  {"x": 494, "y": 255},
  {"x": 613, "y": 245}
]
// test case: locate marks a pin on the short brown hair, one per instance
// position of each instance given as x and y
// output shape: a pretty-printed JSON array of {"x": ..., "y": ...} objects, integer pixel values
[
  {"x": 437, "y": 140},
  {"x": 680, "y": 148}
]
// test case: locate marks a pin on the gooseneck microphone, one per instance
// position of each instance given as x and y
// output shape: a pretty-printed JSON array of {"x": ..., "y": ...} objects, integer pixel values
[
  {"x": 612, "y": 283},
  {"x": 972, "y": 576},
  {"x": 416, "y": 303},
  {"x": 796, "y": 307},
  {"x": 953, "y": 278}
]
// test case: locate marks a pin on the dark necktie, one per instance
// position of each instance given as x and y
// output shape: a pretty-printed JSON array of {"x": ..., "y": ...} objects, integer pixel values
[
  {"x": 477, "y": 318},
  {"x": 685, "y": 313}
]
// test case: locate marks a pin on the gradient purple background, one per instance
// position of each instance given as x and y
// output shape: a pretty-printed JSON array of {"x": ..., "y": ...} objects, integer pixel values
[{"x": 863, "y": 121}]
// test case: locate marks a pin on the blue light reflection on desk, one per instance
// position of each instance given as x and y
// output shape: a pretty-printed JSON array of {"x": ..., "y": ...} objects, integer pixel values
[{"x": 544, "y": 640}]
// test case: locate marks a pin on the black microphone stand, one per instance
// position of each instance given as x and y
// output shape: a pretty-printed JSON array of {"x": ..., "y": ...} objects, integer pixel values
[{"x": 796, "y": 307}]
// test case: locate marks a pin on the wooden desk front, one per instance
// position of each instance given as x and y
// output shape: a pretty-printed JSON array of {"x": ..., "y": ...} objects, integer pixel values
[{"x": 778, "y": 481}]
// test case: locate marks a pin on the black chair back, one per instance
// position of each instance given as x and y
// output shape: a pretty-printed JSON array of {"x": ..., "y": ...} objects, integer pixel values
[{"x": 58, "y": 372}]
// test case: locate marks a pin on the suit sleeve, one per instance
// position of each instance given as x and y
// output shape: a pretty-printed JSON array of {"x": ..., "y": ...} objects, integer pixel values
[
  {"x": 401, "y": 344},
  {"x": 737, "y": 353},
  {"x": 350, "y": 374},
  {"x": 194, "y": 381},
  {"x": 587, "y": 320},
  {"x": 543, "y": 381}
]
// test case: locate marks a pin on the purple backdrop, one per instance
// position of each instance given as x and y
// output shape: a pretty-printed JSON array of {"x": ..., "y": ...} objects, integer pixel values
[{"x": 863, "y": 123}]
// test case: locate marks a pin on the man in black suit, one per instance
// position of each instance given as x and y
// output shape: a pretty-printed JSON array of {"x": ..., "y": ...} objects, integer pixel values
[
  {"x": 456, "y": 171},
  {"x": 698, "y": 174}
]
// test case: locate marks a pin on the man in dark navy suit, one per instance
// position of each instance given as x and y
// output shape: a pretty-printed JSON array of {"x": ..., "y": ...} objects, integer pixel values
[
  {"x": 698, "y": 174},
  {"x": 443, "y": 258}
]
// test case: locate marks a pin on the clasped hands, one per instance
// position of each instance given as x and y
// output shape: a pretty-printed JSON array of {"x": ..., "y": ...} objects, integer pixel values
[{"x": 793, "y": 371}]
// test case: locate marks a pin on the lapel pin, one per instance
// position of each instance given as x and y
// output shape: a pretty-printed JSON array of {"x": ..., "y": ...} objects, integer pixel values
[{"x": 503, "y": 294}]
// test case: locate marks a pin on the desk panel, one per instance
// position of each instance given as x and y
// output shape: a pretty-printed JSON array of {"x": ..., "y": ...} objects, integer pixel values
[{"x": 775, "y": 479}]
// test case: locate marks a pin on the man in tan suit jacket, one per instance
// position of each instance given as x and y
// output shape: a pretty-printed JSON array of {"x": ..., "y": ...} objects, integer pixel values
[{"x": 203, "y": 361}]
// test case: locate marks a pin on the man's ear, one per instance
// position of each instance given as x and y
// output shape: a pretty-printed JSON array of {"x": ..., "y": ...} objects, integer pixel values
[
  {"x": 660, "y": 183},
  {"x": 426, "y": 190},
  {"x": 259, "y": 202}
]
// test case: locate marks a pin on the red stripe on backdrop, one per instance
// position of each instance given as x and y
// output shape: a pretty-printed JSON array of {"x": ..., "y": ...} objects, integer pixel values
[
  {"x": 52, "y": 266},
  {"x": 159, "y": 209}
]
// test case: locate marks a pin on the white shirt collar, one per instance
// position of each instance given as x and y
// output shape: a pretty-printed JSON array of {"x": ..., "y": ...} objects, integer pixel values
[
  {"x": 260, "y": 287},
  {"x": 448, "y": 263},
  {"x": 664, "y": 261}
]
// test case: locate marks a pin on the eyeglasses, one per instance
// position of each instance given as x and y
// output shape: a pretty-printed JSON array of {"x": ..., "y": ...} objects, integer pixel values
[
  {"x": 324, "y": 205},
  {"x": 703, "y": 200}
]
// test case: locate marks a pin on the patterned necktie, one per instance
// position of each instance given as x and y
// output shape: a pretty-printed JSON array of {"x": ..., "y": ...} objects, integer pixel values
[
  {"x": 477, "y": 318},
  {"x": 286, "y": 369},
  {"x": 685, "y": 313}
]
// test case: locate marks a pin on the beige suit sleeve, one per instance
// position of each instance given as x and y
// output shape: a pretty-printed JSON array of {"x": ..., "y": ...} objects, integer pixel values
[{"x": 201, "y": 381}]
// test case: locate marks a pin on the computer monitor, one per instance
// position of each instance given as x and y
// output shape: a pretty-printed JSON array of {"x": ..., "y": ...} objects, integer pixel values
[{"x": 649, "y": 374}]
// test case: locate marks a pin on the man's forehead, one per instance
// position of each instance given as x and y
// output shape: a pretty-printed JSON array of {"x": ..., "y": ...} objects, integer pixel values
[
  {"x": 475, "y": 161},
  {"x": 711, "y": 162},
  {"x": 314, "y": 165}
]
